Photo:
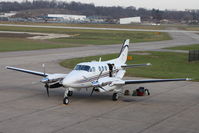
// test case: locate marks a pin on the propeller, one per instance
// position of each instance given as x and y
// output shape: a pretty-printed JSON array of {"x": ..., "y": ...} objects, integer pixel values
[
  {"x": 46, "y": 84},
  {"x": 47, "y": 89},
  {"x": 43, "y": 65},
  {"x": 95, "y": 83},
  {"x": 92, "y": 91}
]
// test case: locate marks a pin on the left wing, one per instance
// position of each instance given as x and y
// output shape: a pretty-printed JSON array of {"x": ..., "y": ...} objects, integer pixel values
[{"x": 28, "y": 71}]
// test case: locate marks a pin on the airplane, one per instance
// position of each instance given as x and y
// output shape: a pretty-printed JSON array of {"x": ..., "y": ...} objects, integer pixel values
[{"x": 101, "y": 76}]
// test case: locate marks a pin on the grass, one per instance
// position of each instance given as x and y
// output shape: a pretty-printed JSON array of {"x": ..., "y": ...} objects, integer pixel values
[
  {"x": 189, "y": 27},
  {"x": 164, "y": 65},
  {"x": 126, "y": 26},
  {"x": 187, "y": 47},
  {"x": 112, "y": 37},
  {"x": 82, "y": 38},
  {"x": 16, "y": 44}
]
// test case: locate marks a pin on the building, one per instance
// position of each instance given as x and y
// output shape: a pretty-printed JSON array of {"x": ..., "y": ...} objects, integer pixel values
[
  {"x": 7, "y": 15},
  {"x": 67, "y": 17},
  {"x": 130, "y": 20}
]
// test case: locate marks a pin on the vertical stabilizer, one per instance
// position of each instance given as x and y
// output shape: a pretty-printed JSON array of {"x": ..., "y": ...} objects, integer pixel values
[{"x": 124, "y": 52}]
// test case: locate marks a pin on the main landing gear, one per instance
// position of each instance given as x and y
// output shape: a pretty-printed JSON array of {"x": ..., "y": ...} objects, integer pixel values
[
  {"x": 66, "y": 95},
  {"x": 115, "y": 96}
]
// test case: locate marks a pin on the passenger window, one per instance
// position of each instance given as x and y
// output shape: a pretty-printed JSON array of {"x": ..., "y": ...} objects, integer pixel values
[
  {"x": 90, "y": 70},
  {"x": 102, "y": 68},
  {"x": 99, "y": 68},
  {"x": 105, "y": 68}
]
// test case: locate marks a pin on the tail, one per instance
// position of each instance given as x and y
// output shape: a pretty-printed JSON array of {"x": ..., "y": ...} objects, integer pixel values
[{"x": 123, "y": 52}]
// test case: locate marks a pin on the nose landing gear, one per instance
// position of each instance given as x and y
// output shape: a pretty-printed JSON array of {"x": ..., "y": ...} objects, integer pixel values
[
  {"x": 70, "y": 93},
  {"x": 66, "y": 101},
  {"x": 66, "y": 94}
]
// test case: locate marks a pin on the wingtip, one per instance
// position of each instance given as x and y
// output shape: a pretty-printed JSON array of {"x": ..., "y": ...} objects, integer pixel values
[
  {"x": 188, "y": 79},
  {"x": 148, "y": 64}
]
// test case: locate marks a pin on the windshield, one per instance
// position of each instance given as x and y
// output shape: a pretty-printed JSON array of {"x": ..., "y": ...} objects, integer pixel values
[{"x": 82, "y": 67}]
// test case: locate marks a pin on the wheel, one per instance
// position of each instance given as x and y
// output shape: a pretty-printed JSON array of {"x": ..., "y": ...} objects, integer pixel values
[
  {"x": 115, "y": 96},
  {"x": 70, "y": 93},
  {"x": 65, "y": 100},
  {"x": 147, "y": 91}
]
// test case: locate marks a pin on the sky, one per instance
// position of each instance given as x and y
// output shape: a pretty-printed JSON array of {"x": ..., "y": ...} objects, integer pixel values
[{"x": 149, "y": 4}]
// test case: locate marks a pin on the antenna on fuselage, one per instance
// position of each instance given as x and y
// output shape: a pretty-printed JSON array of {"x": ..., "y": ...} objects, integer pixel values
[{"x": 100, "y": 59}]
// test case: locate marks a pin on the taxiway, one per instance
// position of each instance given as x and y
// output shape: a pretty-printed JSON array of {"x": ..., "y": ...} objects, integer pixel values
[{"x": 25, "y": 107}]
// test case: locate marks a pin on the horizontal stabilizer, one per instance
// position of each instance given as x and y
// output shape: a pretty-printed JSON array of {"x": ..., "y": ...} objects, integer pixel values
[{"x": 136, "y": 65}]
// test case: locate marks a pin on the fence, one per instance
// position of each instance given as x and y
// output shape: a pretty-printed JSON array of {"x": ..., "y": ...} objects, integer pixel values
[{"x": 193, "y": 55}]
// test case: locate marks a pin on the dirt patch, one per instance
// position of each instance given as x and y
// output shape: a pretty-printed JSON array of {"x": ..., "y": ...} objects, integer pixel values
[
  {"x": 14, "y": 35},
  {"x": 33, "y": 35}
]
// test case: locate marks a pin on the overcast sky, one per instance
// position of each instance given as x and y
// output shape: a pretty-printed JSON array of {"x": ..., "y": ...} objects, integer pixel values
[{"x": 149, "y": 4}]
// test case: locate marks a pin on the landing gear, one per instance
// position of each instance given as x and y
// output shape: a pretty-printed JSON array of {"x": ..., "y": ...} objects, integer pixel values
[
  {"x": 70, "y": 93},
  {"x": 115, "y": 96},
  {"x": 66, "y": 100}
]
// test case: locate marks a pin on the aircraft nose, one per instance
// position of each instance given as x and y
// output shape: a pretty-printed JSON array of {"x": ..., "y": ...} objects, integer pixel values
[{"x": 67, "y": 82}]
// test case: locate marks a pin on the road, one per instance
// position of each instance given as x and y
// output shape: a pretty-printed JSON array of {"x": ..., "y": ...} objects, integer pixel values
[{"x": 25, "y": 107}]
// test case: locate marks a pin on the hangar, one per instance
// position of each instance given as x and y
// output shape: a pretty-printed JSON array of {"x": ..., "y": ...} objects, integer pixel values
[
  {"x": 130, "y": 20},
  {"x": 68, "y": 17}
]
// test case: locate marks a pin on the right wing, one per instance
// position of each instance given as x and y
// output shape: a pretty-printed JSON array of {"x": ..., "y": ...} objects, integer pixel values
[
  {"x": 125, "y": 82},
  {"x": 154, "y": 80},
  {"x": 28, "y": 71}
]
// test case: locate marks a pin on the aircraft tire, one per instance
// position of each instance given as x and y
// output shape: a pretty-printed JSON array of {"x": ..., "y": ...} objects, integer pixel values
[
  {"x": 66, "y": 101},
  {"x": 70, "y": 93},
  {"x": 115, "y": 96}
]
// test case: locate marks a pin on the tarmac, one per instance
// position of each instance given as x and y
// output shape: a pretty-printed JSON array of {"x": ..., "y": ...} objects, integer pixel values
[{"x": 24, "y": 106}]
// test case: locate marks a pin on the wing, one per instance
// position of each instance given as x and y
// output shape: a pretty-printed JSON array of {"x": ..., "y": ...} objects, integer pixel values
[
  {"x": 28, "y": 71},
  {"x": 125, "y": 82},
  {"x": 153, "y": 80}
]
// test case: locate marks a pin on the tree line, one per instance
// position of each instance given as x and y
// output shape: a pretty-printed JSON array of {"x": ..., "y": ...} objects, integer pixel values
[{"x": 114, "y": 12}]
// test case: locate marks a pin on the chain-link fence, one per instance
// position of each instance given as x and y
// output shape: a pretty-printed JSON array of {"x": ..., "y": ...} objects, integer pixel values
[{"x": 193, "y": 55}]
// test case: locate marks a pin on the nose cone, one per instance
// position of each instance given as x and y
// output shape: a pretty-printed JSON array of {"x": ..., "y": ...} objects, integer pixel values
[
  {"x": 45, "y": 80},
  {"x": 71, "y": 79},
  {"x": 67, "y": 82}
]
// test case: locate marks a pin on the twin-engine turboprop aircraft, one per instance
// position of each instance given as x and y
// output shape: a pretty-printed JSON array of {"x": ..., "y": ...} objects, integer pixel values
[{"x": 101, "y": 76}]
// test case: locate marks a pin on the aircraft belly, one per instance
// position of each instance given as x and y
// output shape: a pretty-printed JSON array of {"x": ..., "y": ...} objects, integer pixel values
[{"x": 81, "y": 85}]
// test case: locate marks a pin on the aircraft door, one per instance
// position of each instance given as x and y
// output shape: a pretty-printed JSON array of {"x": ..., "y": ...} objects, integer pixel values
[{"x": 110, "y": 66}]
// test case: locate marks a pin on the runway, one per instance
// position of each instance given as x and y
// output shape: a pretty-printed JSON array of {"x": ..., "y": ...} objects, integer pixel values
[
  {"x": 25, "y": 107},
  {"x": 95, "y": 28}
]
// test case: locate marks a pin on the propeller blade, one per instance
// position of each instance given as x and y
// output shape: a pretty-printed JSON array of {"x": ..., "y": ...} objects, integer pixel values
[
  {"x": 47, "y": 89},
  {"x": 92, "y": 91},
  {"x": 99, "y": 75},
  {"x": 102, "y": 88},
  {"x": 43, "y": 65}
]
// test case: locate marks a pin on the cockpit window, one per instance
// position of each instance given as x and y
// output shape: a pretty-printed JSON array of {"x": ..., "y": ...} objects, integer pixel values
[
  {"x": 82, "y": 67},
  {"x": 93, "y": 69}
]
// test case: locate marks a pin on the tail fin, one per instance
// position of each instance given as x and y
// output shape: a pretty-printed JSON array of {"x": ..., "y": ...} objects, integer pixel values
[{"x": 124, "y": 52}]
